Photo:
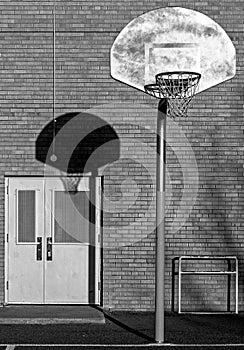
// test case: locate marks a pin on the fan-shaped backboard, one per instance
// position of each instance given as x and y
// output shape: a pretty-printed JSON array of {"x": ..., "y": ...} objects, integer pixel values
[{"x": 172, "y": 39}]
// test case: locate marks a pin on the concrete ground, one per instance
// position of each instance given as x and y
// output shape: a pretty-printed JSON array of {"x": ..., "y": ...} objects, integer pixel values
[
  {"x": 125, "y": 330},
  {"x": 48, "y": 314}
]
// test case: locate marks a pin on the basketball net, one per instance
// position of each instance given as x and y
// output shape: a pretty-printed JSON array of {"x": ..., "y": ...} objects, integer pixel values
[{"x": 177, "y": 87}]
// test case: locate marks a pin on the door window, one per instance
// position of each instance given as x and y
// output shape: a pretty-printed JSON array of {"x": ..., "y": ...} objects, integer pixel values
[
  {"x": 71, "y": 217},
  {"x": 26, "y": 232}
]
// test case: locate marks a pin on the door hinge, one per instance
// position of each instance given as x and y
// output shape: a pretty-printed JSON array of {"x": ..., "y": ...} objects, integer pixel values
[
  {"x": 7, "y": 189},
  {"x": 7, "y": 237},
  {"x": 99, "y": 285},
  {"x": 7, "y": 285},
  {"x": 99, "y": 238}
]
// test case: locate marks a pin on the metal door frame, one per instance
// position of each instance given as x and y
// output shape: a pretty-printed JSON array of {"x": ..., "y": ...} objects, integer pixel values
[{"x": 98, "y": 236}]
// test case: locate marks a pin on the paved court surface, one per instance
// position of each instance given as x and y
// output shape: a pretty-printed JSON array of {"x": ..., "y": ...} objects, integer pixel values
[
  {"x": 123, "y": 330},
  {"x": 134, "y": 347}
]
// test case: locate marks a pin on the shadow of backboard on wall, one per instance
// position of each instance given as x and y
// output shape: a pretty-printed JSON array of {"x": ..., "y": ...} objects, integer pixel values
[{"x": 81, "y": 143}]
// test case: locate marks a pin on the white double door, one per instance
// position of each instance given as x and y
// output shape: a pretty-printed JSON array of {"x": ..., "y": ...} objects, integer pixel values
[{"x": 53, "y": 252}]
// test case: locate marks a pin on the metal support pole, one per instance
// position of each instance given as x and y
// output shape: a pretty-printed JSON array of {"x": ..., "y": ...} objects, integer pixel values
[
  {"x": 160, "y": 220},
  {"x": 53, "y": 156}
]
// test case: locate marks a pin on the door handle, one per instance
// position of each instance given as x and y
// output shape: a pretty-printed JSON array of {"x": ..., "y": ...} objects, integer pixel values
[
  {"x": 49, "y": 249},
  {"x": 39, "y": 248}
]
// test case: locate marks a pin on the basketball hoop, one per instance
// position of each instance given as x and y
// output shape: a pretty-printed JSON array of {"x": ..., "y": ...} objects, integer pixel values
[
  {"x": 177, "y": 87},
  {"x": 70, "y": 182}
]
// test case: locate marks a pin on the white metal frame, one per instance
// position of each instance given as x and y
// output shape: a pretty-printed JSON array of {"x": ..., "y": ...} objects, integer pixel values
[
  {"x": 207, "y": 272},
  {"x": 98, "y": 238},
  {"x": 6, "y": 248}
]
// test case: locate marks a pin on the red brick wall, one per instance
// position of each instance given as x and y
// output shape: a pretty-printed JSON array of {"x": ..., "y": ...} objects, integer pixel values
[{"x": 85, "y": 33}]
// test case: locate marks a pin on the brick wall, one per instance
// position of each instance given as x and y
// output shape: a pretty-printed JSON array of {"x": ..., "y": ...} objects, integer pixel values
[{"x": 214, "y": 129}]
